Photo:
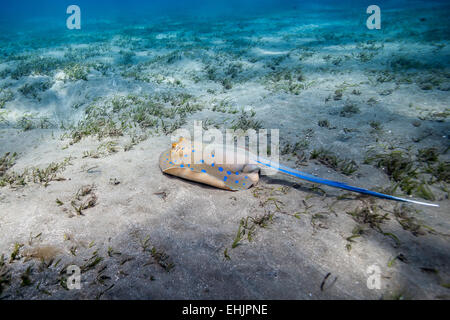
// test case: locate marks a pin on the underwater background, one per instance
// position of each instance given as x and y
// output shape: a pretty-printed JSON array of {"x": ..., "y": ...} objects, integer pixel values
[{"x": 85, "y": 114}]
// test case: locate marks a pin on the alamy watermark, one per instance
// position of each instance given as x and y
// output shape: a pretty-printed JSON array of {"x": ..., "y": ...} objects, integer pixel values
[
  {"x": 374, "y": 20},
  {"x": 233, "y": 147},
  {"x": 74, "y": 20},
  {"x": 74, "y": 278},
  {"x": 374, "y": 277}
]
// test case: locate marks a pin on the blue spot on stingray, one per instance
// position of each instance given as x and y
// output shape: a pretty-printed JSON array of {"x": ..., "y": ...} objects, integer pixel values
[
  {"x": 212, "y": 164},
  {"x": 237, "y": 173},
  {"x": 192, "y": 169},
  {"x": 212, "y": 155},
  {"x": 182, "y": 166},
  {"x": 237, "y": 181},
  {"x": 225, "y": 178},
  {"x": 170, "y": 162},
  {"x": 243, "y": 183},
  {"x": 202, "y": 161},
  {"x": 167, "y": 159},
  {"x": 189, "y": 165},
  {"x": 245, "y": 177},
  {"x": 185, "y": 155},
  {"x": 203, "y": 170},
  {"x": 220, "y": 169},
  {"x": 228, "y": 172},
  {"x": 193, "y": 150}
]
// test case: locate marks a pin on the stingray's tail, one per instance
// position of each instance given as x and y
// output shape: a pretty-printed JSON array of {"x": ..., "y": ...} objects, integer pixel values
[{"x": 331, "y": 183}]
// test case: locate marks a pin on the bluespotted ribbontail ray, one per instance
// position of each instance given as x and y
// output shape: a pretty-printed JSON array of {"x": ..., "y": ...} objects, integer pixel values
[
  {"x": 242, "y": 173},
  {"x": 182, "y": 160}
]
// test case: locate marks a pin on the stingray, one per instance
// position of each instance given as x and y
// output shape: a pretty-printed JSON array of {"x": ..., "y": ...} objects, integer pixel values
[{"x": 235, "y": 170}]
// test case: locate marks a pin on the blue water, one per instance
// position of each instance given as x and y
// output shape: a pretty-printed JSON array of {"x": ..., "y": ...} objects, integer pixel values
[
  {"x": 30, "y": 28},
  {"x": 19, "y": 13}
]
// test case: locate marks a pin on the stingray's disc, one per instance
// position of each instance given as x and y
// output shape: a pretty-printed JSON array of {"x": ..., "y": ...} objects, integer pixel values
[{"x": 220, "y": 176}]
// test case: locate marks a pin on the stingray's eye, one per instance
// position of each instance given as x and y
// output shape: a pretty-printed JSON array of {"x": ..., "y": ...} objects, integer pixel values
[{"x": 174, "y": 145}]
